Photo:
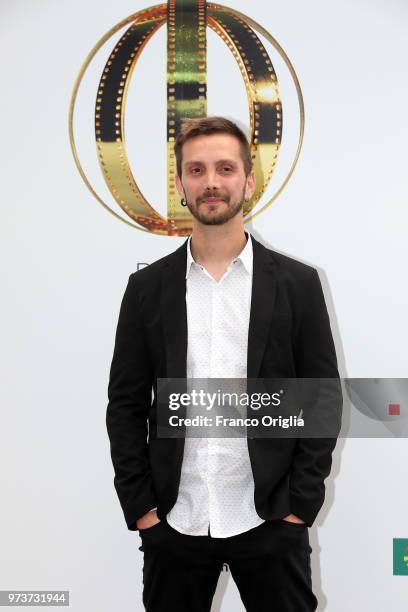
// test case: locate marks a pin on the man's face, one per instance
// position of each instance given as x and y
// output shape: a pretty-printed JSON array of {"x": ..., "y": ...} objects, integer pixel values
[{"x": 213, "y": 180}]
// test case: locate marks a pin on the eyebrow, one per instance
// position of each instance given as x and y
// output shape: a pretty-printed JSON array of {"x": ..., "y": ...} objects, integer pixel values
[{"x": 220, "y": 161}]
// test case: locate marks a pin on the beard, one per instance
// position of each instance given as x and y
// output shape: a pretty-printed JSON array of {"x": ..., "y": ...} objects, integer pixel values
[{"x": 212, "y": 216}]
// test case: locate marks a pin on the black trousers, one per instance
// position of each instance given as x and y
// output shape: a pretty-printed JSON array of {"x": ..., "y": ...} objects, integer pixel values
[{"x": 270, "y": 565}]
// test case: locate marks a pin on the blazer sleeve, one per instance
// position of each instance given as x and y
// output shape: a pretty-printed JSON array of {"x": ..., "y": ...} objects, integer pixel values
[
  {"x": 315, "y": 358},
  {"x": 130, "y": 394}
]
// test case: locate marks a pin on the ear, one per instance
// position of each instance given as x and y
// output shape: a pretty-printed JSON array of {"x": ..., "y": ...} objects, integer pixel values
[
  {"x": 250, "y": 185},
  {"x": 180, "y": 188}
]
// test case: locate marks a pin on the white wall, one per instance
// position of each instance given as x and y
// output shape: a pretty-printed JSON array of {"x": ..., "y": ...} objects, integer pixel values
[{"x": 66, "y": 262}]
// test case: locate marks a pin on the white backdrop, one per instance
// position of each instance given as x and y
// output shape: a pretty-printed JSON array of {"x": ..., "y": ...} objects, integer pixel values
[{"x": 66, "y": 262}]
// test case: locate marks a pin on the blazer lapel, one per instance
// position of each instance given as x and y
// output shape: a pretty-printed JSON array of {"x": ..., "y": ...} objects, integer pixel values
[
  {"x": 174, "y": 317},
  {"x": 262, "y": 304},
  {"x": 174, "y": 312}
]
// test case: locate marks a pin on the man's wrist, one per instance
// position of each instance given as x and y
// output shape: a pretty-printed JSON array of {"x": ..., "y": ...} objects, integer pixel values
[
  {"x": 145, "y": 520},
  {"x": 292, "y": 518}
]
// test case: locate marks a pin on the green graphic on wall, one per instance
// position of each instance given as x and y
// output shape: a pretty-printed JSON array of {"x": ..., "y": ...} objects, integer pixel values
[{"x": 400, "y": 556}]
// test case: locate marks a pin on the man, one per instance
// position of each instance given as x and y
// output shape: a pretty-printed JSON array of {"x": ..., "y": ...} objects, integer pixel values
[{"x": 220, "y": 306}]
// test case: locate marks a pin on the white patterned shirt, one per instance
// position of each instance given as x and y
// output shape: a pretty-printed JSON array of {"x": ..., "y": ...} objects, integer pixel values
[{"x": 216, "y": 492}]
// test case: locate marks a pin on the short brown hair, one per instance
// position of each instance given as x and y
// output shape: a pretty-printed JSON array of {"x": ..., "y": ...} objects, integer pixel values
[{"x": 204, "y": 126}]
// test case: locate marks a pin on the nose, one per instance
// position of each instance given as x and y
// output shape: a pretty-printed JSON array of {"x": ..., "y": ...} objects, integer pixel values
[{"x": 212, "y": 179}]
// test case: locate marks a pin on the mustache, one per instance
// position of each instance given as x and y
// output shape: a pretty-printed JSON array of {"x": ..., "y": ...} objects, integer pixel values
[{"x": 214, "y": 194}]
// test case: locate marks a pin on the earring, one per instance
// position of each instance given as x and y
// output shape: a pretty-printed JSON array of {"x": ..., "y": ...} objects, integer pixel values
[{"x": 183, "y": 202}]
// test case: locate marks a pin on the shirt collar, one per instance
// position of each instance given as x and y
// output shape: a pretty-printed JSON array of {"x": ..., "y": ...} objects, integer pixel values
[{"x": 246, "y": 255}]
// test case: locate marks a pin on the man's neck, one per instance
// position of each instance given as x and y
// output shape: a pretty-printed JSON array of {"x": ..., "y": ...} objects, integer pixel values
[{"x": 217, "y": 245}]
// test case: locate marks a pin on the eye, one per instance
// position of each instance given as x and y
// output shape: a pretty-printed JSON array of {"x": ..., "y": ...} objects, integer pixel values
[
  {"x": 195, "y": 170},
  {"x": 227, "y": 169}
]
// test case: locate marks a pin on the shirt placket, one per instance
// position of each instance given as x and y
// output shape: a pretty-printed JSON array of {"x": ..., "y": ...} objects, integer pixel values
[{"x": 216, "y": 371}]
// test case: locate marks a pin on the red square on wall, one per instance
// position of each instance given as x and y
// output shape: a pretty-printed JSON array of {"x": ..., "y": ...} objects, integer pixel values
[{"x": 394, "y": 409}]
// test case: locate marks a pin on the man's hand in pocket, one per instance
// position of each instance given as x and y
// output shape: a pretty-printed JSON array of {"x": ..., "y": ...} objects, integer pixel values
[
  {"x": 147, "y": 520},
  {"x": 292, "y": 518}
]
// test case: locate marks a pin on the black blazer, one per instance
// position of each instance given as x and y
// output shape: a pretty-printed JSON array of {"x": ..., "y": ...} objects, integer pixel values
[{"x": 289, "y": 336}]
